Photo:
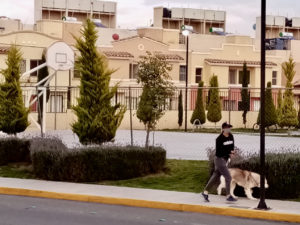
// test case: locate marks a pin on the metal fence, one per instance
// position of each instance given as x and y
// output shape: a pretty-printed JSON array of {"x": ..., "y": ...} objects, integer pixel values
[
  {"x": 194, "y": 145},
  {"x": 62, "y": 98}
]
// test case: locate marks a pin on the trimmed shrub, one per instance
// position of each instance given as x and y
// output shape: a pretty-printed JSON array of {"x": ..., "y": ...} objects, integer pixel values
[
  {"x": 14, "y": 150},
  {"x": 282, "y": 171},
  {"x": 95, "y": 164}
]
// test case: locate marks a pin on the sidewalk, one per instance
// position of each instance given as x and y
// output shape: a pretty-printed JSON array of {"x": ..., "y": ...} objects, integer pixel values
[{"x": 180, "y": 201}]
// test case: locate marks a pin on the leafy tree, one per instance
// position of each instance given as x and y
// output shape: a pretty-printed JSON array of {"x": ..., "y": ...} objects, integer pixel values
[
  {"x": 180, "y": 109},
  {"x": 245, "y": 104},
  {"x": 289, "y": 113},
  {"x": 270, "y": 110},
  {"x": 98, "y": 120},
  {"x": 43, "y": 73},
  {"x": 199, "y": 112},
  {"x": 279, "y": 107},
  {"x": 13, "y": 113},
  {"x": 153, "y": 74},
  {"x": 214, "y": 112}
]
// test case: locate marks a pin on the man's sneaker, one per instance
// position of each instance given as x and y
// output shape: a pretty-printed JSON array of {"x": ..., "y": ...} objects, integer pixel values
[
  {"x": 231, "y": 199},
  {"x": 205, "y": 196}
]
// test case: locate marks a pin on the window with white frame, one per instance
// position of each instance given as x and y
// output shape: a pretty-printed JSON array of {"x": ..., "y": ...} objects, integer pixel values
[
  {"x": 198, "y": 73},
  {"x": 256, "y": 105},
  {"x": 33, "y": 64},
  {"x": 232, "y": 76},
  {"x": 241, "y": 76},
  {"x": 274, "y": 78},
  {"x": 133, "y": 71},
  {"x": 182, "y": 73},
  {"x": 56, "y": 103}
]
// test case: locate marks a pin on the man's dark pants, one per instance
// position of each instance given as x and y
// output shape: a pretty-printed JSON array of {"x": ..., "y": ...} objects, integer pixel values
[{"x": 221, "y": 169}]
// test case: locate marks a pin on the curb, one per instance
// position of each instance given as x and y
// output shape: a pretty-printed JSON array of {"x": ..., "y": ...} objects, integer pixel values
[{"x": 224, "y": 211}]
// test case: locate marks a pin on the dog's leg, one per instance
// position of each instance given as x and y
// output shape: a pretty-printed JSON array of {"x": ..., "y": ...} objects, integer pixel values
[
  {"x": 232, "y": 187},
  {"x": 248, "y": 193},
  {"x": 221, "y": 186}
]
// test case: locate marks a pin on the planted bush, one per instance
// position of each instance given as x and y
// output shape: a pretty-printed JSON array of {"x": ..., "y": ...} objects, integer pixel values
[
  {"x": 282, "y": 171},
  {"x": 95, "y": 164},
  {"x": 14, "y": 150}
]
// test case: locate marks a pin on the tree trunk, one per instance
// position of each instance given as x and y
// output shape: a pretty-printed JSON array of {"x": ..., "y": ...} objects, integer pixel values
[{"x": 147, "y": 136}]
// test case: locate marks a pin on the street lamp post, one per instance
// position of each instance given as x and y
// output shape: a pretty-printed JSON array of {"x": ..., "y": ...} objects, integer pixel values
[
  {"x": 186, "y": 32},
  {"x": 262, "y": 203}
]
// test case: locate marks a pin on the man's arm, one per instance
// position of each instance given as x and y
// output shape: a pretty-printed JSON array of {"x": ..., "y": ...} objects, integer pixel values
[{"x": 218, "y": 146}]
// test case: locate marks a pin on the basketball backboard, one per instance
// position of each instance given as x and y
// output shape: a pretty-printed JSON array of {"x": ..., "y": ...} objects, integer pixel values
[{"x": 60, "y": 56}]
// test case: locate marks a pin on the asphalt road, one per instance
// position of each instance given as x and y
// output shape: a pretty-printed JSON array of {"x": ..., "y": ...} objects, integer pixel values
[{"x": 16, "y": 210}]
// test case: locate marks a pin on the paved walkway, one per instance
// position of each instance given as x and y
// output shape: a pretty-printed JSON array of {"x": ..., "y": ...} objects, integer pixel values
[
  {"x": 280, "y": 210},
  {"x": 187, "y": 146}
]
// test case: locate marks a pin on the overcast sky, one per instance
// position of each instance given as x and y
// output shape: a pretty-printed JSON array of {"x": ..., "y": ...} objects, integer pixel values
[{"x": 136, "y": 13}]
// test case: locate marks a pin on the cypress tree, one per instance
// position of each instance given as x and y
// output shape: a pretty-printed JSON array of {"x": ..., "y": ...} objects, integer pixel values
[
  {"x": 214, "y": 113},
  {"x": 289, "y": 113},
  {"x": 98, "y": 120},
  {"x": 199, "y": 112},
  {"x": 180, "y": 109},
  {"x": 13, "y": 113},
  {"x": 271, "y": 116},
  {"x": 245, "y": 105},
  {"x": 43, "y": 73},
  {"x": 279, "y": 107}
]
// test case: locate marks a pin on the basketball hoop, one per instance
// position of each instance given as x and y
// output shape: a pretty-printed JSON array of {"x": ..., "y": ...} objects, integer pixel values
[{"x": 60, "y": 56}]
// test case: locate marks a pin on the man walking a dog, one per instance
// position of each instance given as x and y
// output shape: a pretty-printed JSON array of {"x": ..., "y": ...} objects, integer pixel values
[{"x": 224, "y": 150}]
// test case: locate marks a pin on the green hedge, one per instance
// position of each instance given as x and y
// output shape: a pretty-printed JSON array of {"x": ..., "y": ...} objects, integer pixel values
[
  {"x": 52, "y": 161},
  {"x": 14, "y": 150},
  {"x": 282, "y": 171}
]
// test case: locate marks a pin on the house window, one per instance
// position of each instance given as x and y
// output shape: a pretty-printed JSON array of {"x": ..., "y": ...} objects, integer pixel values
[
  {"x": 76, "y": 73},
  {"x": 23, "y": 66},
  {"x": 133, "y": 71},
  {"x": 241, "y": 76},
  {"x": 181, "y": 39},
  {"x": 56, "y": 103},
  {"x": 33, "y": 64},
  {"x": 182, "y": 73},
  {"x": 256, "y": 105},
  {"x": 229, "y": 105},
  {"x": 274, "y": 78},
  {"x": 232, "y": 76},
  {"x": 198, "y": 75}
]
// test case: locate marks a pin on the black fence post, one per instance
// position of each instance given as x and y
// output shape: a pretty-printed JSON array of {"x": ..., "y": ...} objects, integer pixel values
[{"x": 130, "y": 110}]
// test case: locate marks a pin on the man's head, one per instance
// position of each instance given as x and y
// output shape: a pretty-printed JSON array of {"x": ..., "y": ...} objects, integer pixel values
[{"x": 226, "y": 128}]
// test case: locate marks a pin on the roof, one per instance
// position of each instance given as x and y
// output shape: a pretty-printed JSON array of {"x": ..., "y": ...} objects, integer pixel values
[
  {"x": 141, "y": 37},
  {"x": 237, "y": 62},
  {"x": 171, "y": 57},
  {"x": 3, "y": 50},
  {"x": 115, "y": 54}
]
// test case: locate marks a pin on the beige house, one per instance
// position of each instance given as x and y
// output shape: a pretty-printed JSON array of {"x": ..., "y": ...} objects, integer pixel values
[{"x": 209, "y": 54}]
